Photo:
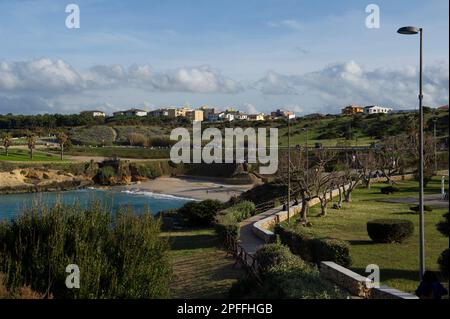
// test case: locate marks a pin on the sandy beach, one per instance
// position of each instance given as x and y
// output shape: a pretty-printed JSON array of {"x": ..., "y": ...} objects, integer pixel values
[{"x": 190, "y": 188}]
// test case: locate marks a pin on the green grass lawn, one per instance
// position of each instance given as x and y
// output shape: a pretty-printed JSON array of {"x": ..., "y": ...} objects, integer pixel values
[
  {"x": 23, "y": 155},
  {"x": 127, "y": 152},
  {"x": 398, "y": 262},
  {"x": 201, "y": 269}
]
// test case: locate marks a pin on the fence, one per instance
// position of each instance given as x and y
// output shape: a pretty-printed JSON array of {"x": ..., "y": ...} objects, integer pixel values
[{"x": 246, "y": 260}]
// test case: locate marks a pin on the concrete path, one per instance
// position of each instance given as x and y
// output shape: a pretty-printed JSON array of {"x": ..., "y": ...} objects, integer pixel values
[{"x": 248, "y": 240}]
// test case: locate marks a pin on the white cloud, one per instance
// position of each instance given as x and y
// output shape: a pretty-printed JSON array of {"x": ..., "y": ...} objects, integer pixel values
[
  {"x": 339, "y": 84},
  {"x": 274, "y": 83},
  {"x": 288, "y": 23},
  {"x": 44, "y": 75}
]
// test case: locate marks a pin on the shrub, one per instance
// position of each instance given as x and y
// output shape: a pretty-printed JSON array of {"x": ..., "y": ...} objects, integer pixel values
[
  {"x": 390, "y": 190},
  {"x": 119, "y": 257},
  {"x": 285, "y": 276},
  {"x": 226, "y": 227},
  {"x": 426, "y": 208},
  {"x": 389, "y": 230},
  {"x": 272, "y": 255},
  {"x": 201, "y": 213},
  {"x": 227, "y": 220},
  {"x": 297, "y": 281},
  {"x": 105, "y": 174},
  {"x": 443, "y": 226},
  {"x": 241, "y": 211},
  {"x": 334, "y": 250},
  {"x": 443, "y": 263},
  {"x": 303, "y": 242},
  {"x": 137, "y": 139}
]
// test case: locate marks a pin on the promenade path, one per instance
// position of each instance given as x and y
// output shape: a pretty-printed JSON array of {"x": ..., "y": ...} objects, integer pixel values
[{"x": 248, "y": 240}]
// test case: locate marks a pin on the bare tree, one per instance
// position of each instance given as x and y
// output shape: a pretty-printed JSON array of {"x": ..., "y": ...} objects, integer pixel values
[
  {"x": 299, "y": 177},
  {"x": 7, "y": 142},
  {"x": 31, "y": 142},
  {"x": 367, "y": 165},
  {"x": 62, "y": 139},
  {"x": 350, "y": 176},
  {"x": 325, "y": 179}
]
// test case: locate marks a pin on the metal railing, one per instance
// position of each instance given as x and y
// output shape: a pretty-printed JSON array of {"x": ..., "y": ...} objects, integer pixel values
[{"x": 247, "y": 261}]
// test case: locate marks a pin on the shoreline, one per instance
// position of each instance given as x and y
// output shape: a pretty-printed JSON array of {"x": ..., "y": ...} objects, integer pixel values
[{"x": 189, "y": 188}]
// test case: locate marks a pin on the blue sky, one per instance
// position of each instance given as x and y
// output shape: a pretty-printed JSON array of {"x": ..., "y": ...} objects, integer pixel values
[{"x": 254, "y": 54}]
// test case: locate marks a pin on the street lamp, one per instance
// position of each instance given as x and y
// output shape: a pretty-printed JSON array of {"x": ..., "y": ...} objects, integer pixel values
[
  {"x": 435, "y": 145},
  {"x": 289, "y": 171},
  {"x": 412, "y": 31}
]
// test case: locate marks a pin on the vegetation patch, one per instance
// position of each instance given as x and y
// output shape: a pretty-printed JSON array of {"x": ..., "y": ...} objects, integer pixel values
[
  {"x": 118, "y": 257},
  {"x": 390, "y": 230}
]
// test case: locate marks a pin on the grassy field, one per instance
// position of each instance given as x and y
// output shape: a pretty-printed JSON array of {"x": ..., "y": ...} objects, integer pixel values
[
  {"x": 22, "y": 155},
  {"x": 398, "y": 262},
  {"x": 201, "y": 269},
  {"x": 127, "y": 152}
]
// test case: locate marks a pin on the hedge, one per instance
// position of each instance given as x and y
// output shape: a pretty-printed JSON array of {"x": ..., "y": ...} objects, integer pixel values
[
  {"x": 426, "y": 208},
  {"x": 303, "y": 242},
  {"x": 272, "y": 255},
  {"x": 389, "y": 230},
  {"x": 443, "y": 263},
  {"x": 389, "y": 190},
  {"x": 202, "y": 213},
  {"x": 285, "y": 276},
  {"x": 227, "y": 221}
]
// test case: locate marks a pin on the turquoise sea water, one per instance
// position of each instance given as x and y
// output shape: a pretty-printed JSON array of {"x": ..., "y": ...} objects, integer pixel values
[{"x": 12, "y": 205}]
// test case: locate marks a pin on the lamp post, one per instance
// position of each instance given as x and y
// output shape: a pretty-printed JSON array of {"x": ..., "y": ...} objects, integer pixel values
[
  {"x": 412, "y": 31},
  {"x": 289, "y": 171},
  {"x": 435, "y": 146},
  {"x": 307, "y": 157}
]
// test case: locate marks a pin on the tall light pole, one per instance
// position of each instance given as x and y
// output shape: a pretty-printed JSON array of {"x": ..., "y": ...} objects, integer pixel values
[
  {"x": 307, "y": 157},
  {"x": 435, "y": 146},
  {"x": 289, "y": 171},
  {"x": 412, "y": 31}
]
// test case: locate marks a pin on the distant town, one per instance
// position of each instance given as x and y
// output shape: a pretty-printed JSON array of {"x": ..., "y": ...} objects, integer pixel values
[{"x": 211, "y": 114}]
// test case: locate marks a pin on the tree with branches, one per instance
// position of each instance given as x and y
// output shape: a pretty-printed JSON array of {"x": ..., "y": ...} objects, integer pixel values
[
  {"x": 31, "y": 143},
  {"x": 62, "y": 140},
  {"x": 7, "y": 142}
]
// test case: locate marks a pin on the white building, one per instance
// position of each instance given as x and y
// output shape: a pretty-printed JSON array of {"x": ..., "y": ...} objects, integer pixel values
[
  {"x": 131, "y": 112},
  {"x": 375, "y": 109},
  {"x": 229, "y": 117},
  {"x": 241, "y": 116},
  {"x": 219, "y": 116},
  {"x": 94, "y": 113}
]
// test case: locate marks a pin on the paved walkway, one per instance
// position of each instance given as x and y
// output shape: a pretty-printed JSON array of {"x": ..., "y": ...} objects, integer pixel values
[{"x": 249, "y": 241}]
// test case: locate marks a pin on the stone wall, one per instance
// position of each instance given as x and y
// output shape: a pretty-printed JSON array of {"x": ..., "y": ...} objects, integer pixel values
[{"x": 356, "y": 284}]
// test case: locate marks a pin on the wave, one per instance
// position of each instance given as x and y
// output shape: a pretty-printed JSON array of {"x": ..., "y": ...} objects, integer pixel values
[{"x": 156, "y": 195}]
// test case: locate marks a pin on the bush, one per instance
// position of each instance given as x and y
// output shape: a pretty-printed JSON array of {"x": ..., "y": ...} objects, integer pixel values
[
  {"x": 227, "y": 220},
  {"x": 390, "y": 190},
  {"x": 426, "y": 208},
  {"x": 443, "y": 263},
  {"x": 241, "y": 211},
  {"x": 200, "y": 214},
  {"x": 303, "y": 242},
  {"x": 226, "y": 227},
  {"x": 105, "y": 174},
  {"x": 272, "y": 255},
  {"x": 118, "y": 257},
  {"x": 332, "y": 250},
  {"x": 297, "y": 281},
  {"x": 285, "y": 276},
  {"x": 389, "y": 230}
]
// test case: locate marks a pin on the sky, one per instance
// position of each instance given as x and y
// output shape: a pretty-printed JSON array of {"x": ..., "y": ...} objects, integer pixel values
[{"x": 256, "y": 55}]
